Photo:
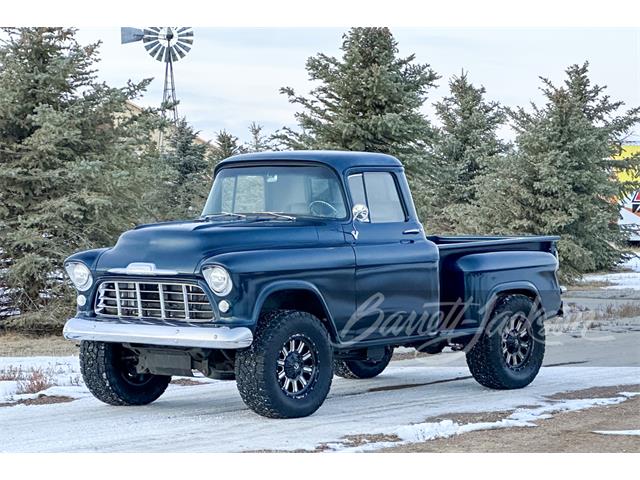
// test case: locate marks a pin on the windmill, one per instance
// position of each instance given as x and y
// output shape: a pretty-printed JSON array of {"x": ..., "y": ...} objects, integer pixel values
[{"x": 165, "y": 44}]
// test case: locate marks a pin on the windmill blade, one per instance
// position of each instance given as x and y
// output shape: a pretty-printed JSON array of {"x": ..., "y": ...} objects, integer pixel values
[
  {"x": 155, "y": 50},
  {"x": 180, "y": 50},
  {"x": 151, "y": 34},
  {"x": 151, "y": 44},
  {"x": 160, "y": 56},
  {"x": 130, "y": 35},
  {"x": 174, "y": 56},
  {"x": 183, "y": 48},
  {"x": 182, "y": 29}
]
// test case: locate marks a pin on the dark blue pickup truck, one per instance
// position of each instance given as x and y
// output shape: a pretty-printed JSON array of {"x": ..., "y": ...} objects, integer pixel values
[{"x": 304, "y": 265}]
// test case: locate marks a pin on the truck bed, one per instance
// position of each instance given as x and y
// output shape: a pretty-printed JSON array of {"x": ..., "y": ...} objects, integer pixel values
[
  {"x": 455, "y": 285},
  {"x": 461, "y": 241},
  {"x": 456, "y": 246}
]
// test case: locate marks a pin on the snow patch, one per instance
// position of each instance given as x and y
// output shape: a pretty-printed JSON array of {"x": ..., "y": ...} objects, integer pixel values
[
  {"x": 522, "y": 417},
  {"x": 446, "y": 428},
  {"x": 622, "y": 280},
  {"x": 629, "y": 394},
  {"x": 618, "y": 432},
  {"x": 63, "y": 372}
]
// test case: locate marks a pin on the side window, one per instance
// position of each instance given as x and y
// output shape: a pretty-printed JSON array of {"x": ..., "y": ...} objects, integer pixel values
[
  {"x": 378, "y": 191},
  {"x": 384, "y": 202},
  {"x": 356, "y": 185}
]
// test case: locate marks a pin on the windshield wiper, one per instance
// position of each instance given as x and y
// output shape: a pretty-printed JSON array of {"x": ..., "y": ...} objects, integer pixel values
[
  {"x": 223, "y": 214},
  {"x": 276, "y": 215}
]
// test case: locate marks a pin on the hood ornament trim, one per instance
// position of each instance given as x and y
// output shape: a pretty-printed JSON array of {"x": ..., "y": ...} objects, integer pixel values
[{"x": 142, "y": 268}]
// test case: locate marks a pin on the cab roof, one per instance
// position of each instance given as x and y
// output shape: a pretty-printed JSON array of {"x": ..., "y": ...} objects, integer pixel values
[{"x": 339, "y": 160}]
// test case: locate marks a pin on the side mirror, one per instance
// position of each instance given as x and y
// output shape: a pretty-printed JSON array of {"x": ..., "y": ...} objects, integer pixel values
[{"x": 360, "y": 212}]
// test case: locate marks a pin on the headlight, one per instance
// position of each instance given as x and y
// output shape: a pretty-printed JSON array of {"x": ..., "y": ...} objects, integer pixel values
[
  {"x": 80, "y": 275},
  {"x": 218, "y": 280}
]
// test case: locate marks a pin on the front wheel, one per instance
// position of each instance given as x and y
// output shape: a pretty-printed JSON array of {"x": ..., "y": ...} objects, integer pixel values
[
  {"x": 109, "y": 371},
  {"x": 510, "y": 351},
  {"x": 287, "y": 370}
]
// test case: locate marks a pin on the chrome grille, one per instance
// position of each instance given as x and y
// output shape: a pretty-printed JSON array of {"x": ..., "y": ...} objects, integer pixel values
[{"x": 167, "y": 301}]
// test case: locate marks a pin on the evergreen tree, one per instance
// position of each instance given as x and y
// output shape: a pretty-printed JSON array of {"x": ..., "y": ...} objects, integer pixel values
[
  {"x": 369, "y": 100},
  {"x": 187, "y": 173},
  {"x": 74, "y": 160},
  {"x": 562, "y": 180},
  {"x": 224, "y": 146},
  {"x": 258, "y": 141},
  {"x": 466, "y": 141}
]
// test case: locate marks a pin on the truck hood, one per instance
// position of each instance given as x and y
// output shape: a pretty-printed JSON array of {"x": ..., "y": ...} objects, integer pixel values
[{"x": 182, "y": 246}]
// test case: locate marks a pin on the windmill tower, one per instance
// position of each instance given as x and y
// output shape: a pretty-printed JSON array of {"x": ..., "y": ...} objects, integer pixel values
[{"x": 168, "y": 45}]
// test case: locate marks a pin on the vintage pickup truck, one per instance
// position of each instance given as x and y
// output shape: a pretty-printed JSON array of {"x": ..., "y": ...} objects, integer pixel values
[{"x": 303, "y": 265}]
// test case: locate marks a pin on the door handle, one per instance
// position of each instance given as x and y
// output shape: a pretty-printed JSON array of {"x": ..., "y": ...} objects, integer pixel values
[{"x": 411, "y": 231}]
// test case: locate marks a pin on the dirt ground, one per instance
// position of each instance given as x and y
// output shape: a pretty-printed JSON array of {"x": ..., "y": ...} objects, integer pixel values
[
  {"x": 18, "y": 345},
  {"x": 565, "y": 432}
]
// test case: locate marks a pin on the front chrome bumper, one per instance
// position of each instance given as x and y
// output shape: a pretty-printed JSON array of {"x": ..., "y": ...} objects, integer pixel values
[{"x": 118, "y": 331}]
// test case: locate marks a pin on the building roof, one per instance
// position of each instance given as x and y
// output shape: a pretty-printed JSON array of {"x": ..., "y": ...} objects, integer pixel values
[{"x": 339, "y": 160}]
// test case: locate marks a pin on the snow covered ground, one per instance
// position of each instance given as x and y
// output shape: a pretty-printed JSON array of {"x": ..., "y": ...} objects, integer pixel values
[
  {"x": 211, "y": 417},
  {"x": 629, "y": 279},
  {"x": 62, "y": 372}
]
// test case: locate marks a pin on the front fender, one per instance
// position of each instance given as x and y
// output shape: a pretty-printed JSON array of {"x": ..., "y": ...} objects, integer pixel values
[
  {"x": 88, "y": 257},
  {"x": 327, "y": 272},
  {"x": 282, "y": 285}
]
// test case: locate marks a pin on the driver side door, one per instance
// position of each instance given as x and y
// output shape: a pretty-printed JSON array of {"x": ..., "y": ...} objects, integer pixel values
[{"x": 396, "y": 272}]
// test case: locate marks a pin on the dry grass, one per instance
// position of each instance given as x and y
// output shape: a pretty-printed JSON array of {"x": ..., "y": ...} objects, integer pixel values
[
  {"x": 36, "y": 381},
  {"x": 625, "y": 310},
  {"x": 578, "y": 317},
  {"x": 39, "y": 400},
  {"x": 588, "y": 285},
  {"x": 20, "y": 345}
]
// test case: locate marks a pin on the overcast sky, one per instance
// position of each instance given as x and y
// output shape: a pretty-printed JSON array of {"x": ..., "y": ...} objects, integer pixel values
[{"x": 232, "y": 75}]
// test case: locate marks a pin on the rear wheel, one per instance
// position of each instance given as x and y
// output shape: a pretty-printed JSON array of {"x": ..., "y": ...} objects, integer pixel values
[
  {"x": 510, "y": 351},
  {"x": 109, "y": 371},
  {"x": 363, "y": 368},
  {"x": 287, "y": 370}
]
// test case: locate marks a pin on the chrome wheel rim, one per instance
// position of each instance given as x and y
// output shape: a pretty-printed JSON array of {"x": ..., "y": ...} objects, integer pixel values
[
  {"x": 297, "y": 366},
  {"x": 517, "y": 341}
]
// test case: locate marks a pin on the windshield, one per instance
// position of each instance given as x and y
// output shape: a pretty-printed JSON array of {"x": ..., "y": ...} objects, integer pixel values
[{"x": 311, "y": 191}]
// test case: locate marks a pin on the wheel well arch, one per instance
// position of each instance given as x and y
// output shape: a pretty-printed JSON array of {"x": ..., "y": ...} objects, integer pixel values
[
  {"x": 301, "y": 297},
  {"x": 504, "y": 290}
]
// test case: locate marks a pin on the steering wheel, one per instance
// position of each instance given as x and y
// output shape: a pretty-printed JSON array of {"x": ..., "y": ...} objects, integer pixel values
[{"x": 313, "y": 204}]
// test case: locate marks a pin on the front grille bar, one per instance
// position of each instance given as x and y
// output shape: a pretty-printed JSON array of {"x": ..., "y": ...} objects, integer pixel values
[
  {"x": 161, "y": 290},
  {"x": 186, "y": 302},
  {"x": 153, "y": 299},
  {"x": 119, "y": 305},
  {"x": 139, "y": 299}
]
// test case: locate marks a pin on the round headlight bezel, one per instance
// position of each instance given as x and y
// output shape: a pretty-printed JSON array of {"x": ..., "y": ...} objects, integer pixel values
[
  {"x": 218, "y": 279},
  {"x": 80, "y": 275}
]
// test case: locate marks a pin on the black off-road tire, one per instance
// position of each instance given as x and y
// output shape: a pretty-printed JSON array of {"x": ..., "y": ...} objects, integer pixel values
[
  {"x": 362, "y": 368},
  {"x": 486, "y": 359},
  {"x": 110, "y": 382},
  {"x": 257, "y": 366}
]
